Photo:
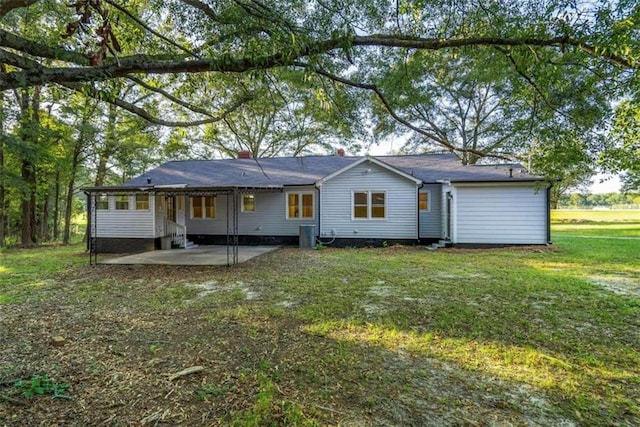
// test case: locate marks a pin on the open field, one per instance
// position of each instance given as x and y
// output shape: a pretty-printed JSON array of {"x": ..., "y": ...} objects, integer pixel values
[
  {"x": 606, "y": 223},
  {"x": 588, "y": 215},
  {"x": 388, "y": 336}
]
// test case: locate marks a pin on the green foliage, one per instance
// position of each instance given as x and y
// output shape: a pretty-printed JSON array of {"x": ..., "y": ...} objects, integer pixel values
[
  {"x": 211, "y": 390},
  {"x": 622, "y": 155},
  {"x": 40, "y": 385},
  {"x": 577, "y": 200}
]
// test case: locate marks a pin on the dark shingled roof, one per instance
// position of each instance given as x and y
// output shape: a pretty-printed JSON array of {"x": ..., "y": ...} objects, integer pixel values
[{"x": 277, "y": 172}]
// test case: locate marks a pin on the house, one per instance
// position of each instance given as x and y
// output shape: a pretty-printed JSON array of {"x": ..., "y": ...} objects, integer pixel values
[{"x": 338, "y": 200}]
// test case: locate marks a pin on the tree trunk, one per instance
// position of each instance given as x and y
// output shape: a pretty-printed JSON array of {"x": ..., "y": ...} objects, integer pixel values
[
  {"x": 29, "y": 123},
  {"x": 108, "y": 148},
  {"x": 69, "y": 202},
  {"x": 56, "y": 208},
  {"x": 44, "y": 218},
  {"x": 3, "y": 216},
  {"x": 28, "y": 235}
]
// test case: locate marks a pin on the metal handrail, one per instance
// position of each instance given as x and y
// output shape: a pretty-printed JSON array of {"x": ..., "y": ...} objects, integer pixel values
[{"x": 178, "y": 233}]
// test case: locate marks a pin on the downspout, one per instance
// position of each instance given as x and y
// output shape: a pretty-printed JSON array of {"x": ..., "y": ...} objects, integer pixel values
[
  {"x": 418, "y": 208},
  {"x": 549, "y": 214},
  {"x": 319, "y": 202},
  {"x": 88, "y": 245}
]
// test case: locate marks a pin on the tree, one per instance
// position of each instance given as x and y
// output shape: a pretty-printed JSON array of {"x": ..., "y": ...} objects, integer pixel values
[
  {"x": 623, "y": 151},
  {"x": 565, "y": 160},
  {"x": 285, "y": 117},
  {"x": 329, "y": 38}
]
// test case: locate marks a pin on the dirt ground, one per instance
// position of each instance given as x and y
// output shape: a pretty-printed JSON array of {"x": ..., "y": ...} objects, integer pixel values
[{"x": 129, "y": 330}]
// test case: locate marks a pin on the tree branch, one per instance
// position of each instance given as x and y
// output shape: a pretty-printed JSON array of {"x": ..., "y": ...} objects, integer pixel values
[
  {"x": 126, "y": 66},
  {"x": 7, "y": 6},
  {"x": 375, "y": 89},
  {"x": 105, "y": 97},
  {"x": 171, "y": 97},
  {"x": 149, "y": 29},
  {"x": 32, "y": 48}
]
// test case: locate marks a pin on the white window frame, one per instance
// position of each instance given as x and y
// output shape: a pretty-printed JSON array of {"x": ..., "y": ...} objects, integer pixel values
[
  {"x": 203, "y": 207},
  {"x": 115, "y": 202},
  {"x": 369, "y": 205},
  {"x": 300, "y": 205},
  {"x": 428, "y": 193},
  {"x": 242, "y": 207}
]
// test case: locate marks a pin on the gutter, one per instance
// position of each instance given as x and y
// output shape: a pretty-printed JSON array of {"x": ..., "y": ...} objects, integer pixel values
[
  {"x": 549, "y": 214},
  {"x": 418, "y": 209}
]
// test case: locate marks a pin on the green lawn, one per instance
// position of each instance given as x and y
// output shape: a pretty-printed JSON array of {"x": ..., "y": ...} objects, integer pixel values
[{"x": 387, "y": 336}]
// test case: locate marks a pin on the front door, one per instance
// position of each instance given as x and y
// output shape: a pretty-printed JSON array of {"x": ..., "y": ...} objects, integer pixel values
[
  {"x": 171, "y": 208},
  {"x": 180, "y": 204}
]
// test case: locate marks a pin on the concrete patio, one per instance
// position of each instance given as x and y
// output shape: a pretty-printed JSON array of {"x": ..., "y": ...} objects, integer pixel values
[{"x": 203, "y": 255}]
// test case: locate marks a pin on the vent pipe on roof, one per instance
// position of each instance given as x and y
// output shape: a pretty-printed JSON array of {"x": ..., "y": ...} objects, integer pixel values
[
  {"x": 340, "y": 152},
  {"x": 148, "y": 180},
  {"x": 510, "y": 172},
  {"x": 244, "y": 154}
]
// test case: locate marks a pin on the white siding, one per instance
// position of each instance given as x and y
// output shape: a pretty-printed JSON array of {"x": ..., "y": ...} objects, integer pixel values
[
  {"x": 431, "y": 221},
  {"x": 500, "y": 215},
  {"x": 131, "y": 223},
  {"x": 269, "y": 218},
  {"x": 401, "y": 220}
]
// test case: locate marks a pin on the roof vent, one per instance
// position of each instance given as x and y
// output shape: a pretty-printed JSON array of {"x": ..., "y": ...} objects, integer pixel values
[
  {"x": 244, "y": 154},
  {"x": 340, "y": 152},
  {"x": 148, "y": 180},
  {"x": 510, "y": 172}
]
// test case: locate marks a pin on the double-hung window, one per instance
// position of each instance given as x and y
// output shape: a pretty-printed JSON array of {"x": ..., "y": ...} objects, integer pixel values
[
  {"x": 122, "y": 203},
  {"x": 203, "y": 207},
  {"x": 248, "y": 203},
  {"x": 142, "y": 202},
  {"x": 102, "y": 202},
  {"x": 299, "y": 205},
  {"x": 369, "y": 205}
]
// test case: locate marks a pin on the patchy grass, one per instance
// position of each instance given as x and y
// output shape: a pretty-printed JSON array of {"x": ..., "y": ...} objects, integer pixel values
[
  {"x": 24, "y": 271},
  {"x": 388, "y": 336}
]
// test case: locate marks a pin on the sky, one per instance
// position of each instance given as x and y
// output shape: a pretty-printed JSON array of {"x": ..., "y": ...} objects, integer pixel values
[{"x": 610, "y": 184}]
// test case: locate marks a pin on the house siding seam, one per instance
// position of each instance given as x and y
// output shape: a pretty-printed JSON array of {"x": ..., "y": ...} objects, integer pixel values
[
  {"x": 401, "y": 205},
  {"x": 500, "y": 215}
]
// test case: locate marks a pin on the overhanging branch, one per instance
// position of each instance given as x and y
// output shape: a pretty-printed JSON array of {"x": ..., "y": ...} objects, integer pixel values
[
  {"x": 387, "y": 105},
  {"x": 287, "y": 56}
]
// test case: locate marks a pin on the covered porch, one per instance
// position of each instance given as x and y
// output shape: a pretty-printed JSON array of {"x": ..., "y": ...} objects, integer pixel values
[{"x": 203, "y": 255}]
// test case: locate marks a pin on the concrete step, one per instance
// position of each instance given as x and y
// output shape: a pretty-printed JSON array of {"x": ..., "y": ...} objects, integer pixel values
[
  {"x": 440, "y": 244},
  {"x": 190, "y": 245}
]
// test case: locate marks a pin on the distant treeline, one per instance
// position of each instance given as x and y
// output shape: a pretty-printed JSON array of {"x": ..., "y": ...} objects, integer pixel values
[{"x": 611, "y": 200}]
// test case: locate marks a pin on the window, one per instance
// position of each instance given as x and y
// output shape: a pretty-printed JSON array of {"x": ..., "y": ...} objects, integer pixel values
[
  {"x": 299, "y": 205},
  {"x": 102, "y": 202},
  {"x": 203, "y": 207},
  {"x": 142, "y": 202},
  {"x": 248, "y": 203},
  {"x": 369, "y": 205},
  {"x": 424, "y": 201},
  {"x": 122, "y": 203}
]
